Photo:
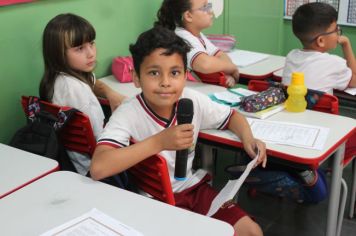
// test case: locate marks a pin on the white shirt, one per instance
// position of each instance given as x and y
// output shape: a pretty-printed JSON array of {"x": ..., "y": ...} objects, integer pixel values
[
  {"x": 322, "y": 71},
  {"x": 135, "y": 119},
  {"x": 198, "y": 45},
  {"x": 70, "y": 91}
]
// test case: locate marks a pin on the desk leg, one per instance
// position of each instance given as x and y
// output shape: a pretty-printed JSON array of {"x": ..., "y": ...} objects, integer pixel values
[
  {"x": 334, "y": 199},
  {"x": 207, "y": 159}
]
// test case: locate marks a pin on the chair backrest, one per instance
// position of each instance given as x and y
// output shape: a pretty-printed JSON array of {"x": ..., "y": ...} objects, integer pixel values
[
  {"x": 77, "y": 135},
  {"x": 326, "y": 103},
  {"x": 151, "y": 175}
]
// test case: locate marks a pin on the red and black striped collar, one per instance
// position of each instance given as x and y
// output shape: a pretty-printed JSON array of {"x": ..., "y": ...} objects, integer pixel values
[{"x": 159, "y": 120}]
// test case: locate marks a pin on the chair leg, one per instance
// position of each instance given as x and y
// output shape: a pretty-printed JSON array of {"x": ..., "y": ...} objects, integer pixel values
[
  {"x": 341, "y": 207},
  {"x": 353, "y": 190}
]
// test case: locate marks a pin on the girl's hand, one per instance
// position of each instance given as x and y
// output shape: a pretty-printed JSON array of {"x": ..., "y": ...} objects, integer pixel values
[
  {"x": 230, "y": 81},
  {"x": 236, "y": 75},
  {"x": 177, "y": 137},
  {"x": 256, "y": 146}
]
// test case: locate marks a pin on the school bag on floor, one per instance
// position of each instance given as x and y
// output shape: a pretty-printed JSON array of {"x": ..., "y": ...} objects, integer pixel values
[
  {"x": 40, "y": 134},
  {"x": 282, "y": 183}
]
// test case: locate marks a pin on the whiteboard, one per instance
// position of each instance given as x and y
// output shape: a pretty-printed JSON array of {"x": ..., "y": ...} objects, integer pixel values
[{"x": 345, "y": 8}]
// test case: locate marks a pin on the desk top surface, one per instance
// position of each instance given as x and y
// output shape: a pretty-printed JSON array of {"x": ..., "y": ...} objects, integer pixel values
[
  {"x": 263, "y": 69},
  {"x": 18, "y": 168},
  {"x": 341, "y": 128},
  {"x": 63, "y": 196}
]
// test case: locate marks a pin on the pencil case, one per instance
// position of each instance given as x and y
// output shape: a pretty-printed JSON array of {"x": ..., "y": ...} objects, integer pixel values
[{"x": 260, "y": 101}]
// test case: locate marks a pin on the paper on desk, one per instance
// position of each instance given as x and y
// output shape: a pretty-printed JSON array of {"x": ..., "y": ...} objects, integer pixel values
[
  {"x": 287, "y": 133},
  {"x": 351, "y": 91},
  {"x": 244, "y": 58},
  {"x": 228, "y": 97},
  {"x": 94, "y": 223},
  {"x": 230, "y": 189}
]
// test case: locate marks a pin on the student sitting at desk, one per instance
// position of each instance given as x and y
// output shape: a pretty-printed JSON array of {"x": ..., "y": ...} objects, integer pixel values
[
  {"x": 160, "y": 59},
  {"x": 314, "y": 24},
  {"x": 188, "y": 18},
  {"x": 69, "y": 55}
]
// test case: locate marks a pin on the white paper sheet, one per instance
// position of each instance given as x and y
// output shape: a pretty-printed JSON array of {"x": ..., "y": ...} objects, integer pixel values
[
  {"x": 94, "y": 223},
  {"x": 244, "y": 58},
  {"x": 351, "y": 91},
  {"x": 297, "y": 135},
  {"x": 227, "y": 96},
  {"x": 230, "y": 189}
]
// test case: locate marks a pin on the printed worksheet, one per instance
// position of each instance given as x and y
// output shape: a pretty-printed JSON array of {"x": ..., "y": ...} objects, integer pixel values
[
  {"x": 230, "y": 189},
  {"x": 94, "y": 223},
  {"x": 297, "y": 135}
]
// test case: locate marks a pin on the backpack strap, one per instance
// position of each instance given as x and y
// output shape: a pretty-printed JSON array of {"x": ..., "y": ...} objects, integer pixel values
[
  {"x": 64, "y": 115},
  {"x": 33, "y": 108}
]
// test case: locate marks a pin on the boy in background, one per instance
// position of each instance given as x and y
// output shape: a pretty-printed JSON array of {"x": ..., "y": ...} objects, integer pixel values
[
  {"x": 314, "y": 24},
  {"x": 160, "y": 62}
]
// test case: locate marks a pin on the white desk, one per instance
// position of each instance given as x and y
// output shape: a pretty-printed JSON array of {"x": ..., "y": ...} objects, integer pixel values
[
  {"x": 277, "y": 75},
  {"x": 62, "y": 196},
  {"x": 19, "y": 168},
  {"x": 263, "y": 69},
  {"x": 341, "y": 128}
]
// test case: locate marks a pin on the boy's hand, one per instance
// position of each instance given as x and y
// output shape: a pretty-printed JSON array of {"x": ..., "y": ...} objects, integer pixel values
[
  {"x": 177, "y": 137},
  {"x": 343, "y": 40},
  {"x": 257, "y": 146}
]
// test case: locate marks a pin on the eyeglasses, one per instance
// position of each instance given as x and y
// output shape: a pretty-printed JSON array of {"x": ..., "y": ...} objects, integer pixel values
[
  {"x": 338, "y": 30},
  {"x": 206, "y": 8}
]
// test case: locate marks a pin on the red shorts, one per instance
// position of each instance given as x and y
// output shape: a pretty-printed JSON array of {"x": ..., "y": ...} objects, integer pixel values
[{"x": 198, "y": 199}]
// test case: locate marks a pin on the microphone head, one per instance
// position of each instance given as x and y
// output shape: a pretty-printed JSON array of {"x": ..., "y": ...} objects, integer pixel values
[{"x": 185, "y": 111}]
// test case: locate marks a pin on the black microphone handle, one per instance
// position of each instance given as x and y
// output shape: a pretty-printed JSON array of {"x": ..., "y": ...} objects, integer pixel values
[{"x": 180, "y": 170}]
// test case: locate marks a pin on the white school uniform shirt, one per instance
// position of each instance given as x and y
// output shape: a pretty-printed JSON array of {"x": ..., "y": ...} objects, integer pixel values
[
  {"x": 134, "y": 119},
  {"x": 322, "y": 71},
  {"x": 70, "y": 91},
  {"x": 198, "y": 45}
]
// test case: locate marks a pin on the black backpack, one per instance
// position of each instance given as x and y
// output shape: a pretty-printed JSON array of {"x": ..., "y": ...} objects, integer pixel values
[{"x": 40, "y": 134}]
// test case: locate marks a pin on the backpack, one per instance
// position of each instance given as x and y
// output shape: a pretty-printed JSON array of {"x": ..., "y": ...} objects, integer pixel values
[
  {"x": 40, "y": 134},
  {"x": 282, "y": 182}
]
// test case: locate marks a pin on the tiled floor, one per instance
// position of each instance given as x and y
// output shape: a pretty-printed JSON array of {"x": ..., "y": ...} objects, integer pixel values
[{"x": 280, "y": 217}]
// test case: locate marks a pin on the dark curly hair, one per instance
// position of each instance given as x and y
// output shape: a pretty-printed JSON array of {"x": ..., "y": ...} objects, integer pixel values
[{"x": 155, "y": 38}]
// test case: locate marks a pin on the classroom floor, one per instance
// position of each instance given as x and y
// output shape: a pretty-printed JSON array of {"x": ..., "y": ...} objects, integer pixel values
[{"x": 280, "y": 217}]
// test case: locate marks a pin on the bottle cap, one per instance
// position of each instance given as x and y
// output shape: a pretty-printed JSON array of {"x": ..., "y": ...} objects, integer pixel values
[{"x": 297, "y": 78}]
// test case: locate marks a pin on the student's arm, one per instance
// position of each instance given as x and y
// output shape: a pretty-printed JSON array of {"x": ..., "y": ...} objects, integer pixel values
[
  {"x": 239, "y": 125},
  {"x": 103, "y": 90},
  {"x": 210, "y": 64},
  {"x": 108, "y": 161},
  {"x": 349, "y": 57}
]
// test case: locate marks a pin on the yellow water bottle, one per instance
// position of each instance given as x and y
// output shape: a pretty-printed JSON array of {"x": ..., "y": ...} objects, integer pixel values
[{"x": 296, "y": 93}]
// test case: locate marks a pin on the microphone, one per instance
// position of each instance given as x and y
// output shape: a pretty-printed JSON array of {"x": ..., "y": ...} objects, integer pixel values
[{"x": 184, "y": 116}]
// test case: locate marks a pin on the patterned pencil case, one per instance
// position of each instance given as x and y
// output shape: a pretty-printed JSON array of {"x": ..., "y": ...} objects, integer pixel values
[{"x": 260, "y": 101}]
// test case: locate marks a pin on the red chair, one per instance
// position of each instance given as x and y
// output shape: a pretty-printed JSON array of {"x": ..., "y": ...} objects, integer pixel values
[
  {"x": 77, "y": 135},
  {"x": 217, "y": 78},
  {"x": 151, "y": 175}
]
